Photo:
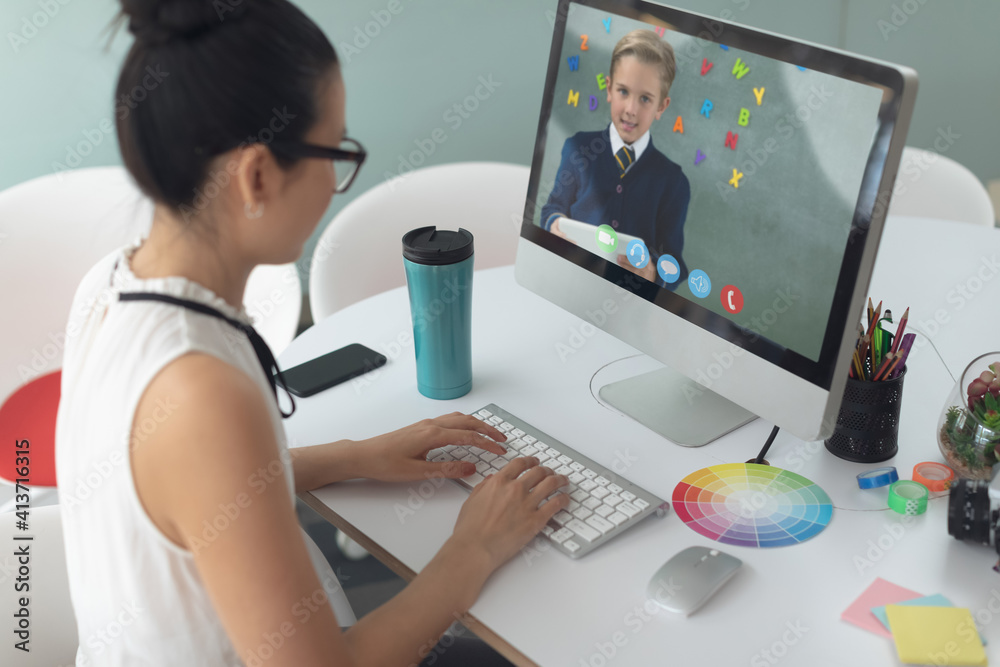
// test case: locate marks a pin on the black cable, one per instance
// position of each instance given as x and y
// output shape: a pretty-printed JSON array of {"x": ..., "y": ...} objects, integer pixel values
[{"x": 767, "y": 445}]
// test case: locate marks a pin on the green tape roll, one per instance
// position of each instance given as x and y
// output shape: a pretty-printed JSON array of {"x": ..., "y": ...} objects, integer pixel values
[{"x": 908, "y": 497}]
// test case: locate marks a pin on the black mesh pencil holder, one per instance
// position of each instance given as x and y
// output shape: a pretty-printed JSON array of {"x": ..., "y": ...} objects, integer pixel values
[{"x": 868, "y": 422}]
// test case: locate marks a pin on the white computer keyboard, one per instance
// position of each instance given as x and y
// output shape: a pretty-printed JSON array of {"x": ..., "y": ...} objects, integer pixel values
[{"x": 602, "y": 504}]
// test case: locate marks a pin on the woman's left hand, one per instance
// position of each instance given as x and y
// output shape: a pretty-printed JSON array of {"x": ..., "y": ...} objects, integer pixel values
[{"x": 401, "y": 455}]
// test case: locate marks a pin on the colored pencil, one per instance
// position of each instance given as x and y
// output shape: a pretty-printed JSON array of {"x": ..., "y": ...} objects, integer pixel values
[
  {"x": 904, "y": 352},
  {"x": 899, "y": 330},
  {"x": 884, "y": 367}
]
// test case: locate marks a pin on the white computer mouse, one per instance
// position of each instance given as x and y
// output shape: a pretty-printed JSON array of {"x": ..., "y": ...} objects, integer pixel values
[{"x": 685, "y": 582}]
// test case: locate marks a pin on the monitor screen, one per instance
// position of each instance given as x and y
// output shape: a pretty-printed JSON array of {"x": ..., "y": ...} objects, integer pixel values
[{"x": 730, "y": 173}]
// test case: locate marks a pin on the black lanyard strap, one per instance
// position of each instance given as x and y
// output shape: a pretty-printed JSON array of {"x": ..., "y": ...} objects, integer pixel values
[{"x": 259, "y": 346}]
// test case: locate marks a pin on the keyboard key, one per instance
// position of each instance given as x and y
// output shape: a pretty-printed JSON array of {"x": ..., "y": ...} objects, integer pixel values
[
  {"x": 612, "y": 500},
  {"x": 640, "y": 503},
  {"x": 540, "y": 445},
  {"x": 470, "y": 458},
  {"x": 553, "y": 452},
  {"x": 628, "y": 495},
  {"x": 561, "y": 535},
  {"x": 578, "y": 467},
  {"x": 588, "y": 485},
  {"x": 485, "y": 413},
  {"x": 564, "y": 470},
  {"x": 604, "y": 511},
  {"x": 474, "y": 479},
  {"x": 499, "y": 463},
  {"x": 487, "y": 456},
  {"x": 572, "y": 505},
  {"x": 628, "y": 509},
  {"x": 441, "y": 458},
  {"x": 511, "y": 454},
  {"x": 591, "y": 503},
  {"x": 603, "y": 481},
  {"x": 459, "y": 452},
  {"x": 600, "y": 524},
  {"x": 589, "y": 474},
  {"x": 494, "y": 420},
  {"x": 548, "y": 530},
  {"x": 579, "y": 495},
  {"x": 482, "y": 466},
  {"x": 505, "y": 426},
  {"x": 576, "y": 478},
  {"x": 515, "y": 444},
  {"x": 562, "y": 517},
  {"x": 565, "y": 460},
  {"x": 542, "y": 457},
  {"x": 479, "y": 417},
  {"x": 614, "y": 488},
  {"x": 528, "y": 439},
  {"x": 581, "y": 512},
  {"x": 600, "y": 492},
  {"x": 528, "y": 451},
  {"x": 571, "y": 546},
  {"x": 583, "y": 530},
  {"x": 517, "y": 433},
  {"x": 617, "y": 518}
]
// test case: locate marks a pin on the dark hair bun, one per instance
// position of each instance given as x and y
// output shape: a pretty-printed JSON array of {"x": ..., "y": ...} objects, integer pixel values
[{"x": 160, "y": 21}]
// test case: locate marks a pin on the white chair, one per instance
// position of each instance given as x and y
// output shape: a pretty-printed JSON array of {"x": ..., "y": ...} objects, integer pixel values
[
  {"x": 52, "y": 230},
  {"x": 930, "y": 185},
  {"x": 53, "y": 638},
  {"x": 360, "y": 252}
]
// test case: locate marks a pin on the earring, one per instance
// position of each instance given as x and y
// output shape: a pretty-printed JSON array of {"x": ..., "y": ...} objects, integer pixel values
[{"x": 256, "y": 213}]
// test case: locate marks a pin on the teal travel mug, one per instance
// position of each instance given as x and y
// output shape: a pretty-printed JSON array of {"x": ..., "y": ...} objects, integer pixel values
[{"x": 438, "y": 267}]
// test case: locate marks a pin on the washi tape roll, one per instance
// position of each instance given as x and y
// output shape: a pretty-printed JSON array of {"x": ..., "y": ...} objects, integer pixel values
[
  {"x": 935, "y": 476},
  {"x": 871, "y": 479},
  {"x": 908, "y": 497}
]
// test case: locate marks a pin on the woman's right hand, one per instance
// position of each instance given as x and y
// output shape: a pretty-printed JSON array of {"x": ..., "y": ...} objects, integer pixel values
[{"x": 502, "y": 513}]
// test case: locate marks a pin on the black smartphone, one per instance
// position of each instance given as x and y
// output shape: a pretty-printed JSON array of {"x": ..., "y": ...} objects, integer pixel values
[{"x": 331, "y": 369}]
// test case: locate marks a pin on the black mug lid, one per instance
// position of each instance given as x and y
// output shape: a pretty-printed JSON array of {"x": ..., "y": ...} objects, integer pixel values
[{"x": 429, "y": 245}]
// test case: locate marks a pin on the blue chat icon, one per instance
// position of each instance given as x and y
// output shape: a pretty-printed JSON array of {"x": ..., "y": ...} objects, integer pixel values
[
  {"x": 668, "y": 268},
  {"x": 699, "y": 283}
]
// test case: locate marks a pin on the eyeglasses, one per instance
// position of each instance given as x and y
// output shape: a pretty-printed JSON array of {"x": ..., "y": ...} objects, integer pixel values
[{"x": 347, "y": 159}]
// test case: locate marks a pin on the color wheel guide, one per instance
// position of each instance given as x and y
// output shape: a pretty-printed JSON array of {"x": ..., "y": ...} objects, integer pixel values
[{"x": 752, "y": 505}]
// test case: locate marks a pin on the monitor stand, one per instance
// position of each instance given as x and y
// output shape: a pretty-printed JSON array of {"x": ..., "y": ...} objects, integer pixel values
[{"x": 676, "y": 407}]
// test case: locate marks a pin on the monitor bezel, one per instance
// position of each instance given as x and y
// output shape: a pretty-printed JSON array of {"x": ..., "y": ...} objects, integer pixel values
[{"x": 870, "y": 207}]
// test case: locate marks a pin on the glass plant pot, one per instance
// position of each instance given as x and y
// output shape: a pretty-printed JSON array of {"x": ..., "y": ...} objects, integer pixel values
[{"x": 969, "y": 427}]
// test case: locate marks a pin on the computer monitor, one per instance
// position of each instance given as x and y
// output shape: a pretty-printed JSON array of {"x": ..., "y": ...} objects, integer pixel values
[{"x": 758, "y": 199}]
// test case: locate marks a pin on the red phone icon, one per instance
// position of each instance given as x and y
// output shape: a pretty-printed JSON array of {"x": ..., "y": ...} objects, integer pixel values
[{"x": 732, "y": 299}]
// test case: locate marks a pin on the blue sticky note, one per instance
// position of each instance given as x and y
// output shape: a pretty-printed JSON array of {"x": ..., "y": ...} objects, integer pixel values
[{"x": 929, "y": 601}]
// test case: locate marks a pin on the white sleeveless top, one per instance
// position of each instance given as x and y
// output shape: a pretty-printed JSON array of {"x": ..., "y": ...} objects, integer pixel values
[{"x": 137, "y": 596}]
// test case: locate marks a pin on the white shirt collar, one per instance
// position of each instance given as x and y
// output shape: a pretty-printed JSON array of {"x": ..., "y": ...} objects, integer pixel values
[{"x": 639, "y": 146}]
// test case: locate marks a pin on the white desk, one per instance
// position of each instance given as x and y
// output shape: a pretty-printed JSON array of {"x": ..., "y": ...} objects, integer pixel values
[{"x": 545, "y": 608}]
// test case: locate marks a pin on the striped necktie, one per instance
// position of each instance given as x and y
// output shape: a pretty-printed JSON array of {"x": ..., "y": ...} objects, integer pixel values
[{"x": 625, "y": 156}]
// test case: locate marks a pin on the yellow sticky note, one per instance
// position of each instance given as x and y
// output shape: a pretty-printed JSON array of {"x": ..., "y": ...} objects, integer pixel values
[{"x": 935, "y": 635}]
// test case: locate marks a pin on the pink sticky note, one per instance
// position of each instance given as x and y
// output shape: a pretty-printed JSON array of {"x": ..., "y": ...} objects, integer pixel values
[{"x": 881, "y": 592}]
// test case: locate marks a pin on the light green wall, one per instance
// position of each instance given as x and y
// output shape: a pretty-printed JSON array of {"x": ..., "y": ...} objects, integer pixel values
[{"x": 57, "y": 87}]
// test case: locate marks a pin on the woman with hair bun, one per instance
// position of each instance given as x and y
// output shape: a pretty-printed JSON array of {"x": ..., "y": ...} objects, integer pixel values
[{"x": 187, "y": 550}]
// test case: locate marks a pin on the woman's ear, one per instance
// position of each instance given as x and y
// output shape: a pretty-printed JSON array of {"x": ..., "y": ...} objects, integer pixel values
[{"x": 251, "y": 167}]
